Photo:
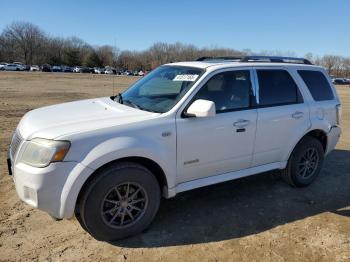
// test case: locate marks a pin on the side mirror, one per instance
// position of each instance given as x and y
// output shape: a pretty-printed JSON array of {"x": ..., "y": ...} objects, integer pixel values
[{"x": 201, "y": 108}]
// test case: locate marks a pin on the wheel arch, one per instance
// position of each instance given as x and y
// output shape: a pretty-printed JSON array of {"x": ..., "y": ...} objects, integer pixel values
[
  {"x": 319, "y": 134},
  {"x": 148, "y": 163}
]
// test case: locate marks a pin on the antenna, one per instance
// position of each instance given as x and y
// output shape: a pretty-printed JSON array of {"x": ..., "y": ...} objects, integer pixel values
[{"x": 113, "y": 76}]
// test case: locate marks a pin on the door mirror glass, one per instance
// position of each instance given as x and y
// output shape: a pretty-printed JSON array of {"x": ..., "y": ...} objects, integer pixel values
[{"x": 201, "y": 108}]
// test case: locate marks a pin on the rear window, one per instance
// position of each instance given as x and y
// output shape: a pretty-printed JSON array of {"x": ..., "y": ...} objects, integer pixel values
[
  {"x": 317, "y": 84},
  {"x": 277, "y": 87}
]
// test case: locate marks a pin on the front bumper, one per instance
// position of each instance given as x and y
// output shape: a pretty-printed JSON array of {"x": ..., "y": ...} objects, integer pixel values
[{"x": 53, "y": 189}]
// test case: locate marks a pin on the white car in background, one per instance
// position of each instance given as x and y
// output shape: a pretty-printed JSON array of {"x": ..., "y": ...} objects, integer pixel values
[
  {"x": 2, "y": 66},
  {"x": 77, "y": 69},
  {"x": 109, "y": 71},
  {"x": 98, "y": 70},
  {"x": 185, "y": 125},
  {"x": 21, "y": 65},
  {"x": 34, "y": 68},
  {"x": 13, "y": 67}
]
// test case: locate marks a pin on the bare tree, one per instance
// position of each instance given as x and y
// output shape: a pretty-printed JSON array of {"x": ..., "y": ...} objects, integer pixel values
[
  {"x": 26, "y": 42},
  {"x": 105, "y": 54},
  {"x": 330, "y": 62},
  {"x": 26, "y": 38}
]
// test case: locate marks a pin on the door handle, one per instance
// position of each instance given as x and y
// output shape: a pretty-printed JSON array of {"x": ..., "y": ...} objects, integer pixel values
[
  {"x": 241, "y": 123},
  {"x": 297, "y": 115}
]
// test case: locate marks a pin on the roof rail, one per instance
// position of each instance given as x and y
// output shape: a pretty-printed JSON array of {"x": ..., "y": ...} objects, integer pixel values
[
  {"x": 276, "y": 59},
  {"x": 210, "y": 58},
  {"x": 266, "y": 59}
]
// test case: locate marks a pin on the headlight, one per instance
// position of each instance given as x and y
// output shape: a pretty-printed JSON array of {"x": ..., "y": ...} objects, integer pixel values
[{"x": 41, "y": 152}]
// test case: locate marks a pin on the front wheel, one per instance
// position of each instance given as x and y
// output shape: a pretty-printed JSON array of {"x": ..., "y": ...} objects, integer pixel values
[
  {"x": 122, "y": 200},
  {"x": 305, "y": 163}
]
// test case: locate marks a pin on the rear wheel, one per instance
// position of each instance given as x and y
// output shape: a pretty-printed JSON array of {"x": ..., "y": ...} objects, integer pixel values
[
  {"x": 305, "y": 163},
  {"x": 121, "y": 201}
]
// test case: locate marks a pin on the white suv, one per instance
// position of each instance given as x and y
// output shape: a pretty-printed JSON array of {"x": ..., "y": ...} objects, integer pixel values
[{"x": 183, "y": 126}]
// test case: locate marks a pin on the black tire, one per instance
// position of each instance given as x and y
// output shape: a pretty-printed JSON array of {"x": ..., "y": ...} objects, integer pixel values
[
  {"x": 95, "y": 214},
  {"x": 293, "y": 173},
  {"x": 78, "y": 217}
]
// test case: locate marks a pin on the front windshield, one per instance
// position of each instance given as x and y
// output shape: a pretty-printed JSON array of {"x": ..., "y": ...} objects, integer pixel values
[{"x": 162, "y": 88}]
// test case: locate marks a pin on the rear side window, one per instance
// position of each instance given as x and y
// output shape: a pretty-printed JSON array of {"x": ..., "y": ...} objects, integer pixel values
[
  {"x": 317, "y": 84},
  {"x": 277, "y": 87}
]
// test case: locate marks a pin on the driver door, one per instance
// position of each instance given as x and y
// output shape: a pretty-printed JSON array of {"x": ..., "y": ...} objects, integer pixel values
[{"x": 209, "y": 146}]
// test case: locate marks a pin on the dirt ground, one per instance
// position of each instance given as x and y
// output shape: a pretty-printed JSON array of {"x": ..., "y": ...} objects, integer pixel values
[{"x": 257, "y": 218}]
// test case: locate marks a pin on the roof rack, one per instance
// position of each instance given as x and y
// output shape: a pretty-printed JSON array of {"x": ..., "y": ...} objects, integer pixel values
[
  {"x": 212, "y": 58},
  {"x": 276, "y": 59},
  {"x": 266, "y": 59}
]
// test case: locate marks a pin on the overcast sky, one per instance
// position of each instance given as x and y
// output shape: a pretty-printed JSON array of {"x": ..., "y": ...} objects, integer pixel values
[{"x": 320, "y": 27}]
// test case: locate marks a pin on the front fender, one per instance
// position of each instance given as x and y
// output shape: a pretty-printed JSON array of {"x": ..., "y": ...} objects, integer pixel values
[
  {"x": 161, "y": 152},
  {"x": 113, "y": 149}
]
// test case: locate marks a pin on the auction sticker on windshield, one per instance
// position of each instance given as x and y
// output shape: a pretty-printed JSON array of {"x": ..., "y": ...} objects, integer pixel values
[{"x": 189, "y": 78}]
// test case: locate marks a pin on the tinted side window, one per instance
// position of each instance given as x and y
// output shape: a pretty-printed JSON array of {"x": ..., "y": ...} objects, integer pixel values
[
  {"x": 317, "y": 85},
  {"x": 228, "y": 90},
  {"x": 277, "y": 87}
]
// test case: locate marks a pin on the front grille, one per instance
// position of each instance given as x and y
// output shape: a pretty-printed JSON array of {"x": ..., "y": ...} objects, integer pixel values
[{"x": 15, "y": 142}]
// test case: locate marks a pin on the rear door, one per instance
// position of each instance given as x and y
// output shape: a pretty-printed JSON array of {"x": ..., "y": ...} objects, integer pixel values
[{"x": 283, "y": 116}]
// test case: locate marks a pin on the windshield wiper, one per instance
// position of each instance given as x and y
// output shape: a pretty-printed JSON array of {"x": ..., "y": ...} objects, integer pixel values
[
  {"x": 118, "y": 98},
  {"x": 138, "y": 107},
  {"x": 132, "y": 104}
]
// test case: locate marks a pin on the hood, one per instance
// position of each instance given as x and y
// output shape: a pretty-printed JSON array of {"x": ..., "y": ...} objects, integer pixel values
[{"x": 68, "y": 118}]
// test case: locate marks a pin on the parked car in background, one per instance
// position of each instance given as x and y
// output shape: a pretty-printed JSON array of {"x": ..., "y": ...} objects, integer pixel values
[
  {"x": 109, "y": 71},
  {"x": 141, "y": 73},
  {"x": 76, "y": 69},
  {"x": 46, "y": 68},
  {"x": 21, "y": 66},
  {"x": 339, "y": 81},
  {"x": 56, "y": 68},
  {"x": 127, "y": 73},
  {"x": 13, "y": 67},
  {"x": 67, "y": 69},
  {"x": 2, "y": 66},
  {"x": 85, "y": 70},
  {"x": 34, "y": 68},
  {"x": 99, "y": 70}
]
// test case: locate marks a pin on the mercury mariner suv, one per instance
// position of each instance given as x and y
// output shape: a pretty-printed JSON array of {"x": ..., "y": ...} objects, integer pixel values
[{"x": 108, "y": 161}]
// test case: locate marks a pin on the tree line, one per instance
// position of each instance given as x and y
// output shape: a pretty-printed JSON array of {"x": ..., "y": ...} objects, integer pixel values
[{"x": 27, "y": 43}]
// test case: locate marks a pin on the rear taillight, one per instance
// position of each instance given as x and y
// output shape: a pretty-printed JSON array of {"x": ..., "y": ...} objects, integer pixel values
[{"x": 338, "y": 111}]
